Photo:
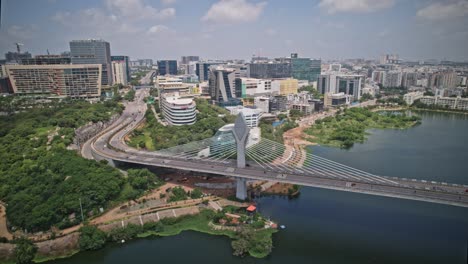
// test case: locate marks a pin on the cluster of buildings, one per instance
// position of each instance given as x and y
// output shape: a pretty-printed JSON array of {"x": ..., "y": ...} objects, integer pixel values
[
  {"x": 259, "y": 88},
  {"x": 81, "y": 73},
  {"x": 444, "y": 78}
]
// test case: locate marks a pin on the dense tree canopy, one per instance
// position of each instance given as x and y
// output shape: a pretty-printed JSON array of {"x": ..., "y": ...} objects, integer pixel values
[
  {"x": 91, "y": 238},
  {"x": 25, "y": 251},
  {"x": 40, "y": 180},
  {"x": 155, "y": 136}
]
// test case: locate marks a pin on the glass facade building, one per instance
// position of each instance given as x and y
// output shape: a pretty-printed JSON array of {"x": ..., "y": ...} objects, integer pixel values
[
  {"x": 93, "y": 51},
  {"x": 305, "y": 69},
  {"x": 269, "y": 70},
  {"x": 167, "y": 67}
]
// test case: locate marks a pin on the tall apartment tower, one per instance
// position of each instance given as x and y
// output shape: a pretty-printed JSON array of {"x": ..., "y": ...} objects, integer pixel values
[
  {"x": 93, "y": 51},
  {"x": 167, "y": 67},
  {"x": 120, "y": 69}
]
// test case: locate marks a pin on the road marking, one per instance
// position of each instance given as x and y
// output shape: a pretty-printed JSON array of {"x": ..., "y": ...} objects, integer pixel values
[
  {"x": 157, "y": 215},
  {"x": 123, "y": 225},
  {"x": 173, "y": 212},
  {"x": 141, "y": 220}
]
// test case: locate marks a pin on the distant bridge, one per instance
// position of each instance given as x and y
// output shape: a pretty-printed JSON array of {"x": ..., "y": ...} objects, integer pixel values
[{"x": 235, "y": 154}]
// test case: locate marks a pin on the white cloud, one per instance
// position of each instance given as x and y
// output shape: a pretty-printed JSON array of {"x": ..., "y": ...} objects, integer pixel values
[
  {"x": 234, "y": 11},
  {"x": 94, "y": 20},
  {"x": 156, "y": 29},
  {"x": 168, "y": 2},
  {"x": 136, "y": 9},
  {"x": 445, "y": 10},
  {"x": 355, "y": 6}
]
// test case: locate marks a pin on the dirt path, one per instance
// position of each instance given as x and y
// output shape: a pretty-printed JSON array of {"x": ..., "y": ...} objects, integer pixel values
[{"x": 3, "y": 223}]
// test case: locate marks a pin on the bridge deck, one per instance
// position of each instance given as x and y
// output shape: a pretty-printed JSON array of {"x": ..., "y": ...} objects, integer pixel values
[{"x": 315, "y": 171}]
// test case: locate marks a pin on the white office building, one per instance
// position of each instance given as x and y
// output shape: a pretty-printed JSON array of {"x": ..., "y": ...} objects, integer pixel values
[
  {"x": 167, "y": 84},
  {"x": 413, "y": 96},
  {"x": 252, "y": 116},
  {"x": 262, "y": 103},
  {"x": 251, "y": 87},
  {"x": 119, "y": 72},
  {"x": 177, "y": 110},
  {"x": 334, "y": 83}
]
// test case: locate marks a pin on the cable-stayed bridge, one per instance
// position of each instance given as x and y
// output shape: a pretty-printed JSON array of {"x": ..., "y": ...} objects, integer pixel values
[{"x": 235, "y": 153}]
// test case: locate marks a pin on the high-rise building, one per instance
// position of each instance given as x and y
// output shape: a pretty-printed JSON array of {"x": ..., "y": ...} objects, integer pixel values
[
  {"x": 409, "y": 79},
  {"x": 390, "y": 59},
  {"x": 269, "y": 70},
  {"x": 378, "y": 76},
  {"x": 75, "y": 81},
  {"x": 392, "y": 79},
  {"x": 124, "y": 62},
  {"x": 119, "y": 72},
  {"x": 187, "y": 59},
  {"x": 17, "y": 57},
  {"x": 334, "y": 83},
  {"x": 222, "y": 86},
  {"x": 93, "y": 51},
  {"x": 441, "y": 80},
  {"x": 142, "y": 63},
  {"x": 305, "y": 68},
  {"x": 167, "y": 67},
  {"x": 46, "y": 60},
  {"x": 202, "y": 69}
]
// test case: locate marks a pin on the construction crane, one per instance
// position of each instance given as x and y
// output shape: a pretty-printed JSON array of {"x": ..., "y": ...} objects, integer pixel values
[{"x": 18, "y": 45}]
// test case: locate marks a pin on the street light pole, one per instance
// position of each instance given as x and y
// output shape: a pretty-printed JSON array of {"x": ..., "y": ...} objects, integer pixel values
[{"x": 81, "y": 207}]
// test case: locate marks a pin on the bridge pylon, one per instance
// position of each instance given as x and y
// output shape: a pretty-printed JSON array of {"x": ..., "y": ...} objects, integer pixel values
[{"x": 241, "y": 134}]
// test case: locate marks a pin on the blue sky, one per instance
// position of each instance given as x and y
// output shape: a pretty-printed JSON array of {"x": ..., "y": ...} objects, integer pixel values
[{"x": 165, "y": 29}]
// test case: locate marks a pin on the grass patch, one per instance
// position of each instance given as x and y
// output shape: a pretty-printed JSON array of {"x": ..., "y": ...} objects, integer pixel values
[
  {"x": 41, "y": 259},
  {"x": 197, "y": 223}
]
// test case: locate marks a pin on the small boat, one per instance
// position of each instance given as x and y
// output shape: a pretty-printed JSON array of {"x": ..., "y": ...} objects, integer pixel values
[{"x": 282, "y": 227}]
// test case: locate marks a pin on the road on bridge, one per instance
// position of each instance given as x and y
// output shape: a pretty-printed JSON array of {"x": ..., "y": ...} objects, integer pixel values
[{"x": 109, "y": 144}]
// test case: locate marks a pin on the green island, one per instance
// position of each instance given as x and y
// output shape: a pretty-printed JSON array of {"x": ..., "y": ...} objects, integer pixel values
[
  {"x": 248, "y": 234},
  {"x": 349, "y": 126}
]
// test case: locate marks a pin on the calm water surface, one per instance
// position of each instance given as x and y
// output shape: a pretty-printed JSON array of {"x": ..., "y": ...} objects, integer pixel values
[{"x": 337, "y": 227}]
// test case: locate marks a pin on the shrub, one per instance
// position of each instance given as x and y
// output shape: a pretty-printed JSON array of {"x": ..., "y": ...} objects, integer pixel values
[{"x": 91, "y": 238}]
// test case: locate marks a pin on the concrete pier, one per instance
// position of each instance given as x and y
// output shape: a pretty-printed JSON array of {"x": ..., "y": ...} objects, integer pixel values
[{"x": 241, "y": 190}]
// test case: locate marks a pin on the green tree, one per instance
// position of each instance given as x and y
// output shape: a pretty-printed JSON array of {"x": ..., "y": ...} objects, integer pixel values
[
  {"x": 91, "y": 238},
  {"x": 25, "y": 251},
  {"x": 196, "y": 193},
  {"x": 240, "y": 247}
]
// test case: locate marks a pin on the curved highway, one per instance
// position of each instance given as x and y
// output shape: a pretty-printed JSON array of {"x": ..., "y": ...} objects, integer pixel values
[{"x": 109, "y": 145}]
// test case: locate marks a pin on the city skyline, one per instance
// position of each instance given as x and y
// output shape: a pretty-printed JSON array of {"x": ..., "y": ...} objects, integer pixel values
[{"x": 227, "y": 29}]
